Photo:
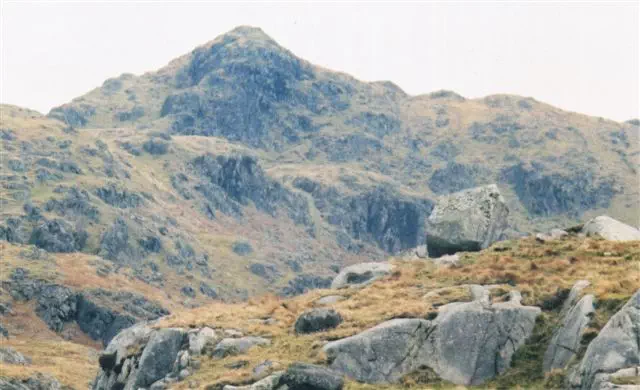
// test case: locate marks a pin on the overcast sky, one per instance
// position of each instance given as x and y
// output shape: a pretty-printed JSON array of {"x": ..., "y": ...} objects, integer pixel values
[{"x": 580, "y": 57}]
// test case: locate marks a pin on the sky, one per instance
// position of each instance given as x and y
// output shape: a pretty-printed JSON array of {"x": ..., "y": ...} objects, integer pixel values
[{"x": 581, "y": 57}]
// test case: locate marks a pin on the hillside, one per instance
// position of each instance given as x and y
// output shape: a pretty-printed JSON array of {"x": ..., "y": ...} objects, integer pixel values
[
  {"x": 240, "y": 171},
  {"x": 542, "y": 272}
]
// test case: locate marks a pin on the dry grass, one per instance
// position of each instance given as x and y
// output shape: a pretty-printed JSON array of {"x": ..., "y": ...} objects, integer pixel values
[
  {"x": 72, "y": 364},
  {"x": 538, "y": 270}
]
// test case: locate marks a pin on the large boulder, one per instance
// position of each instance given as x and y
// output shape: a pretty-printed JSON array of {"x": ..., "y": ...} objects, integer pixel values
[
  {"x": 382, "y": 354},
  {"x": 614, "y": 349},
  {"x": 565, "y": 342},
  {"x": 468, "y": 343},
  {"x": 610, "y": 229},
  {"x": 468, "y": 220},
  {"x": 317, "y": 320},
  {"x": 158, "y": 356},
  {"x": 361, "y": 274}
]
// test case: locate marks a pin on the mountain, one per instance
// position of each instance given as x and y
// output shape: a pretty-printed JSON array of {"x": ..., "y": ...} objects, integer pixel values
[{"x": 240, "y": 169}]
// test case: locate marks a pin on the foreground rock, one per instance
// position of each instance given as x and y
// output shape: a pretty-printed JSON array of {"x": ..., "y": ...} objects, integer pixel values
[
  {"x": 361, "y": 274},
  {"x": 138, "y": 357},
  {"x": 565, "y": 342},
  {"x": 615, "y": 349},
  {"x": 300, "y": 376},
  {"x": 468, "y": 220},
  {"x": 9, "y": 355},
  {"x": 610, "y": 229},
  {"x": 229, "y": 347},
  {"x": 317, "y": 320},
  {"x": 456, "y": 345},
  {"x": 34, "y": 382}
]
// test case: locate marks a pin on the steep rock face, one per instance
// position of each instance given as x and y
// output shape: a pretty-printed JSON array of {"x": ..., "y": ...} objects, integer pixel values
[
  {"x": 469, "y": 220},
  {"x": 392, "y": 221},
  {"x": 58, "y": 305},
  {"x": 565, "y": 342},
  {"x": 233, "y": 181},
  {"x": 616, "y": 347},
  {"x": 551, "y": 194},
  {"x": 610, "y": 229},
  {"x": 468, "y": 343}
]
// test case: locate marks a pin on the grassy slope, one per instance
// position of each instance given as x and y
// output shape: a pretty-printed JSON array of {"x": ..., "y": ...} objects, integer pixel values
[{"x": 539, "y": 270}]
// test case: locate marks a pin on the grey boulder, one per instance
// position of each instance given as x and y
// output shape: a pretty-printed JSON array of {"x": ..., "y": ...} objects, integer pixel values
[
  {"x": 468, "y": 220},
  {"x": 615, "y": 348},
  {"x": 311, "y": 377},
  {"x": 610, "y": 229},
  {"x": 382, "y": 354},
  {"x": 199, "y": 338},
  {"x": 565, "y": 341},
  {"x": 158, "y": 356},
  {"x": 229, "y": 347},
  {"x": 361, "y": 274},
  {"x": 317, "y": 320},
  {"x": 468, "y": 343}
]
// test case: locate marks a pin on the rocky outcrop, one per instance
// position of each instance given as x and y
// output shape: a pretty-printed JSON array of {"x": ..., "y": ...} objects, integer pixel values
[
  {"x": 9, "y": 355},
  {"x": 565, "y": 342},
  {"x": 58, "y": 305},
  {"x": 616, "y": 347},
  {"x": 392, "y": 221},
  {"x": 468, "y": 343},
  {"x": 469, "y": 220},
  {"x": 361, "y": 274},
  {"x": 37, "y": 381},
  {"x": 58, "y": 236},
  {"x": 230, "y": 182},
  {"x": 610, "y": 229},
  {"x": 305, "y": 282},
  {"x": 119, "y": 197},
  {"x": 317, "y": 320}
]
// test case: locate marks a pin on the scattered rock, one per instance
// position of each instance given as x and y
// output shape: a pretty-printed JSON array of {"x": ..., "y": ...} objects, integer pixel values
[
  {"x": 329, "y": 300},
  {"x": 361, "y": 274},
  {"x": 311, "y": 377},
  {"x": 231, "y": 347},
  {"x": 198, "y": 339},
  {"x": 9, "y": 355},
  {"x": 305, "y": 282},
  {"x": 188, "y": 291},
  {"x": 469, "y": 220},
  {"x": 208, "y": 290},
  {"x": 242, "y": 248},
  {"x": 317, "y": 320},
  {"x": 37, "y": 381},
  {"x": 610, "y": 229}
]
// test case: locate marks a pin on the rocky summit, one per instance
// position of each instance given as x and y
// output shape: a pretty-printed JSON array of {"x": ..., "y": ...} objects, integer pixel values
[{"x": 244, "y": 219}]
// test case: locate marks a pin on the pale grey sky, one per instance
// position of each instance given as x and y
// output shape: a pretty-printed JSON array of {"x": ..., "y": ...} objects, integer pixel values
[{"x": 581, "y": 57}]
